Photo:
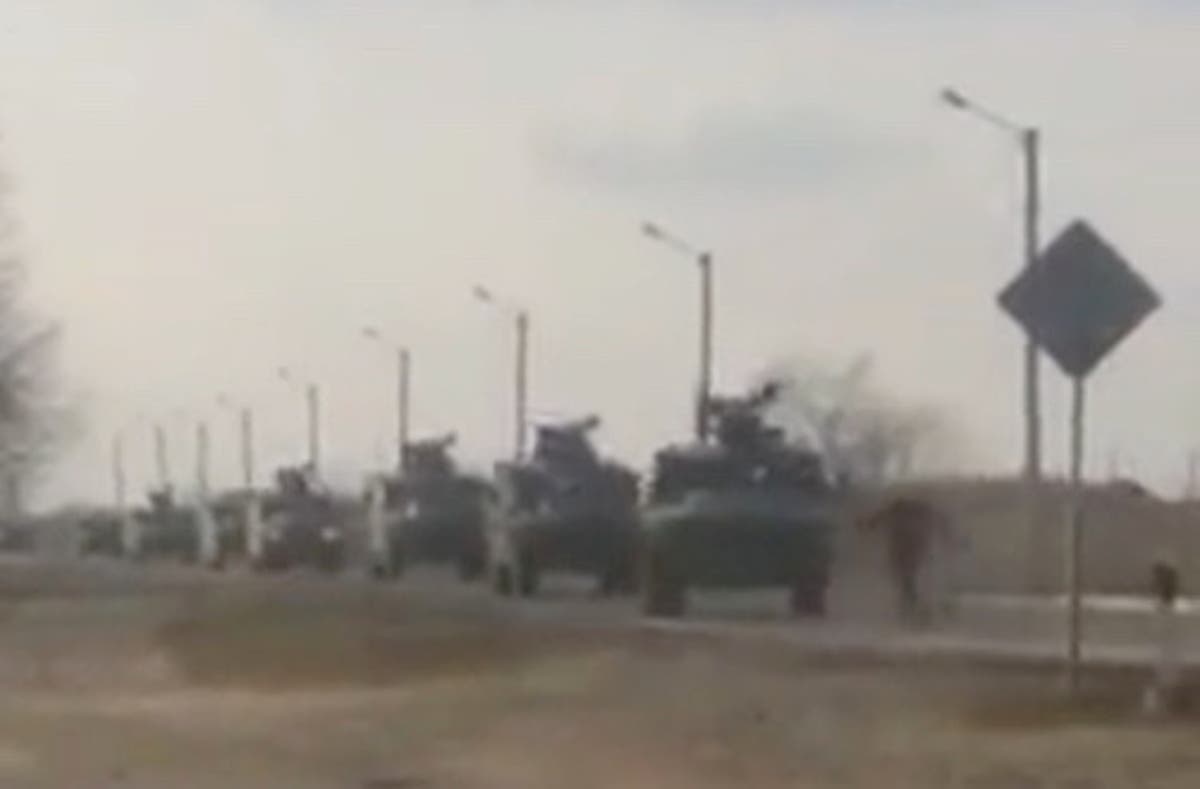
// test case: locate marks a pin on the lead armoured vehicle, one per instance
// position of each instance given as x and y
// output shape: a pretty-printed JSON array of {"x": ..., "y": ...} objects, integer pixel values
[
  {"x": 433, "y": 512},
  {"x": 565, "y": 508},
  {"x": 301, "y": 525},
  {"x": 748, "y": 510}
]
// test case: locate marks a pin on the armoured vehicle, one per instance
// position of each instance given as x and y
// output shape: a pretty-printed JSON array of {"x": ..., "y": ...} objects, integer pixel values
[
  {"x": 431, "y": 513},
  {"x": 563, "y": 509},
  {"x": 747, "y": 510},
  {"x": 168, "y": 530},
  {"x": 17, "y": 535},
  {"x": 301, "y": 526},
  {"x": 230, "y": 509},
  {"x": 100, "y": 534}
]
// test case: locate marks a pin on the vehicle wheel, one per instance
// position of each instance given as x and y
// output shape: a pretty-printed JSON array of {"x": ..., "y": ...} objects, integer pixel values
[
  {"x": 502, "y": 580},
  {"x": 808, "y": 598},
  {"x": 527, "y": 577},
  {"x": 663, "y": 593}
]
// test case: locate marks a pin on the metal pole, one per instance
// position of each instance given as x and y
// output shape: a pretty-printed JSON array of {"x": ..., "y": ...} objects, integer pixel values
[
  {"x": 522, "y": 380},
  {"x": 1193, "y": 465},
  {"x": 118, "y": 470},
  {"x": 1037, "y": 535},
  {"x": 706, "y": 332},
  {"x": 1033, "y": 425},
  {"x": 403, "y": 370},
  {"x": 202, "y": 457},
  {"x": 247, "y": 420},
  {"x": 161, "y": 461},
  {"x": 313, "y": 397},
  {"x": 1075, "y": 538}
]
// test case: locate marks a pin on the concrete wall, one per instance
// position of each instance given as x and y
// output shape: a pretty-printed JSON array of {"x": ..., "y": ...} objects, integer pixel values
[{"x": 1124, "y": 531}]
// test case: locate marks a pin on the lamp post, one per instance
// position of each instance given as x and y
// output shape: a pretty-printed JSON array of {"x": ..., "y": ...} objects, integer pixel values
[
  {"x": 403, "y": 391},
  {"x": 704, "y": 262},
  {"x": 312, "y": 398},
  {"x": 1029, "y": 139},
  {"x": 118, "y": 471},
  {"x": 202, "y": 454},
  {"x": 246, "y": 438},
  {"x": 520, "y": 318},
  {"x": 1030, "y": 143}
]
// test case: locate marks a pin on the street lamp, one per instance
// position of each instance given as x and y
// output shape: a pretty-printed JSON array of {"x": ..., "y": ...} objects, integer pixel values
[
  {"x": 312, "y": 396},
  {"x": 246, "y": 430},
  {"x": 202, "y": 453},
  {"x": 1030, "y": 141},
  {"x": 120, "y": 477},
  {"x": 521, "y": 321},
  {"x": 403, "y": 382},
  {"x": 704, "y": 261},
  {"x": 162, "y": 457},
  {"x": 118, "y": 470}
]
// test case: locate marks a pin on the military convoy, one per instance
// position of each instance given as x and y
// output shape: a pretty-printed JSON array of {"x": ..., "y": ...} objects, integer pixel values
[
  {"x": 749, "y": 510},
  {"x": 564, "y": 509},
  {"x": 432, "y": 512}
]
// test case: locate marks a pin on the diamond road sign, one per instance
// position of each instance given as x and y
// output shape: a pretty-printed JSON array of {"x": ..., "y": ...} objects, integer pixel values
[{"x": 1079, "y": 299}]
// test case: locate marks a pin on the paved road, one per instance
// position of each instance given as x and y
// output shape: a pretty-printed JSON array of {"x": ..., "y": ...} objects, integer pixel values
[{"x": 1118, "y": 631}]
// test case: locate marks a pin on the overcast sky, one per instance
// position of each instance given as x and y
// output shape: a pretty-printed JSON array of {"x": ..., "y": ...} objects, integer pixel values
[{"x": 209, "y": 190}]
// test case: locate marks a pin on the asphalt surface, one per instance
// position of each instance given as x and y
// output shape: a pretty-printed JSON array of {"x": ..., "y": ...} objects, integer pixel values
[{"x": 1117, "y": 631}]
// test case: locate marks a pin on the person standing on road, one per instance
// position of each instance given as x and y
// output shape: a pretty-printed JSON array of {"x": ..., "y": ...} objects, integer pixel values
[{"x": 910, "y": 526}]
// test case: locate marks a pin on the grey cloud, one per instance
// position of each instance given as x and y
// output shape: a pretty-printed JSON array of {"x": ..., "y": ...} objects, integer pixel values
[{"x": 746, "y": 152}]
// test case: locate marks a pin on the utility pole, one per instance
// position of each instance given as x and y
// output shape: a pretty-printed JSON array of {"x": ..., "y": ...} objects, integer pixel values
[
  {"x": 520, "y": 402},
  {"x": 704, "y": 260},
  {"x": 403, "y": 390},
  {"x": 403, "y": 382},
  {"x": 313, "y": 398},
  {"x": 1030, "y": 145},
  {"x": 118, "y": 470},
  {"x": 1030, "y": 140},
  {"x": 706, "y": 335},
  {"x": 1193, "y": 468},
  {"x": 522, "y": 381},
  {"x": 202, "y": 457},
  {"x": 161, "y": 458},
  {"x": 247, "y": 431}
]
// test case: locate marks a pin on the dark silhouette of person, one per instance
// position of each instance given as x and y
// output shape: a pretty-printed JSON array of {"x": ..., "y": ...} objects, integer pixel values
[{"x": 909, "y": 524}]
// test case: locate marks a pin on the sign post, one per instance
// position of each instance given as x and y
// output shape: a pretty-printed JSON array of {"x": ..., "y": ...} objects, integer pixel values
[
  {"x": 1075, "y": 535},
  {"x": 1077, "y": 302}
]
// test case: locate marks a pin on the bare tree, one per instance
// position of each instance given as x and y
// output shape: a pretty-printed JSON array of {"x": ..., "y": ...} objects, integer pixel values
[
  {"x": 35, "y": 418},
  {"x": 866, "y": 436}
]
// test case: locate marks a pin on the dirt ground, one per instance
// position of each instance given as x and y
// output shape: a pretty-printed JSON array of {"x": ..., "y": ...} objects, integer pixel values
[{"x": 153, "y": 680}]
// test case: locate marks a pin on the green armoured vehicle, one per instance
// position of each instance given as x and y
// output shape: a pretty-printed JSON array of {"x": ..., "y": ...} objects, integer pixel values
[
  {"x": 749, "y": 510},
  {"x": 433, "y": 512},
  {"x": 564, "y": 509},
  {"x": 301, "y": 525}
]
